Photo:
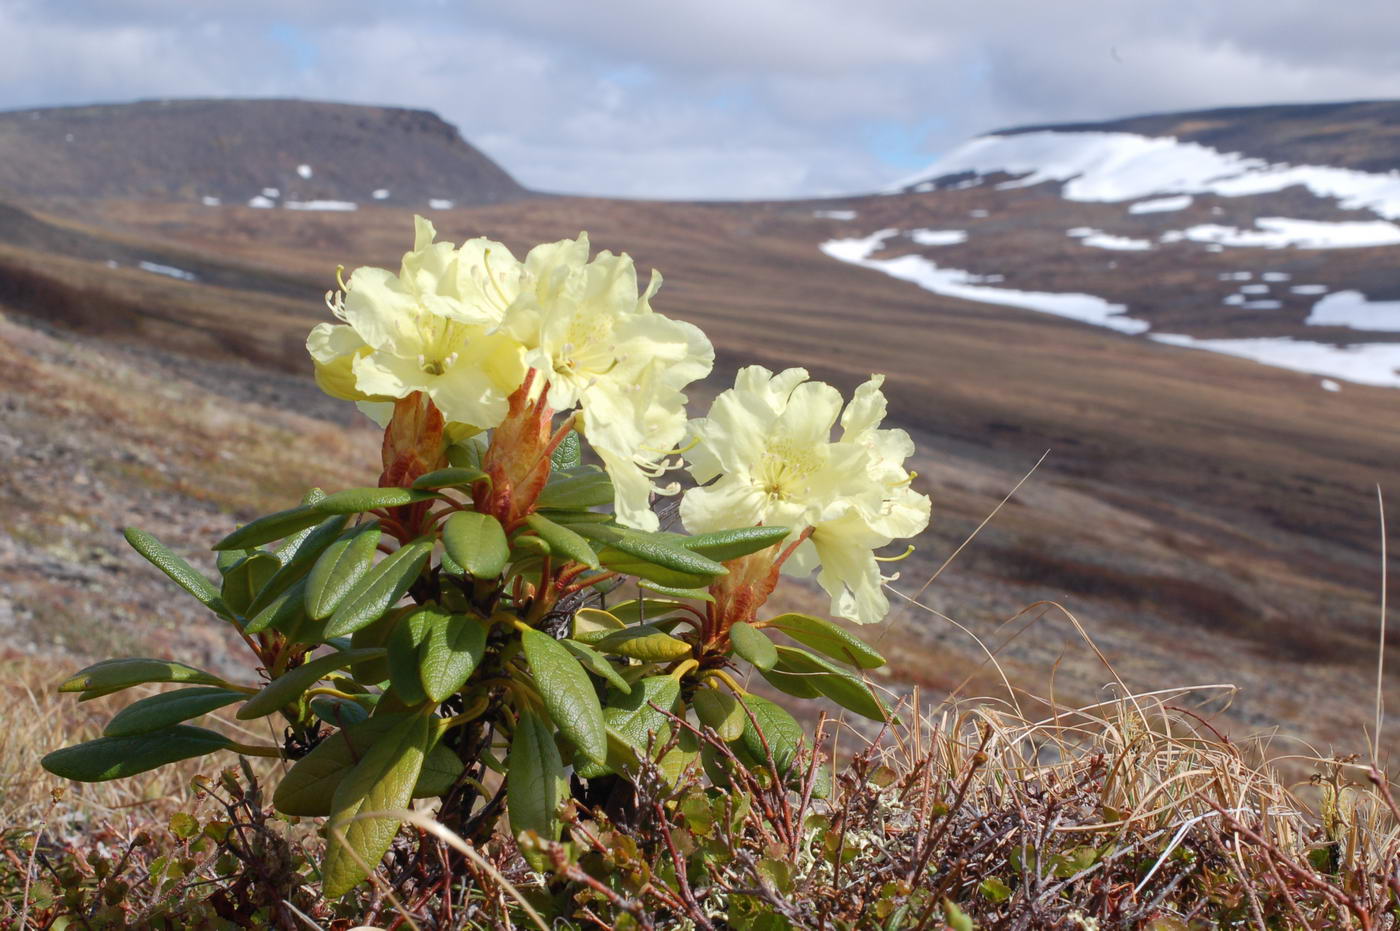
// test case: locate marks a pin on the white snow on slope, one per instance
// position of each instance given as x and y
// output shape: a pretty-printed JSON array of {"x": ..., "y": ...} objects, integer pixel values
[
  {"x": 1110, "y": 167},
  {"x": 438, "y": 203},
  {"x": 321, "y": 205},
  {"x": 380, "y": 193},
  {"x": 1162, "y": 204},
  {"x": 1309, "y": 289},
  {"x": 1282, "y": 232},
  {"x": 261, "y": 202},
  {"x": 1351, "y": 309},
  {"x": 938, "y": 237},
  {"x": 834, "y": 214},
  {"x": 169, "y": 271},
  {"x": 271, "y": 192},
  {"x": 209, "y": 201},
  {"x": 304, "y": 171},
  {"x": 953, "y": 282},
  {"x": 1366, "y": 364},
  {"x": 1101, "y": 240}
]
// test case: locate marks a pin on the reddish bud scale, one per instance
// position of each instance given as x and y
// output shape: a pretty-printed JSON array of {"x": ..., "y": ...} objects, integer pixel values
[
  {"x": 518, "y": 458},
  {"x": 414, "y": 445},
  {"x": 740, "y": 594}
]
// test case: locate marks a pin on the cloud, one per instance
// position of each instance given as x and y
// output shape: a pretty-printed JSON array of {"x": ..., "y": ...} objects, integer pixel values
[{"x": 720, "y": 98}]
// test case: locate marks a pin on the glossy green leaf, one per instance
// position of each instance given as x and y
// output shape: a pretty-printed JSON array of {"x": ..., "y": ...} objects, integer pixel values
[
  {"x": 285, "y": 612},
  {"x": 568, "y": 454},
  {"x": 161, "y": 711},
  {"x": 672, "y": 591},
  {"x": 780, "y": 730},
  {"x": 245, "y": 580},
  {"x": 567, "y": 692},
  {"x": 338, "y": 712},
  {"x": 404, "y": 643},
  {"x": 835, "y": 683},
  {"x": 380, "y": 588},
  {"x": 453, "y": 649},
  {"x": 307, "y": 789},
  {"x": 724, "y": 545},
  {"x": 721, "y": 711},
  {"x": 358, "y": 500},
  {"x": 289, "y": 545},
  {"x": 113, "y": 675},
  {"x": 648, "y": 609},
  {"x": 827, "y": 638},
  {"x": 453, "y": 477},
  {"x": 593, "y": 624},
  {"x": 753, "y": 645},
  {"x": 645, "y": 642},
  {"x": 537, "y": 783},
  {"x": 476, "y": 542},
  {"x": 271, "y": 527},
  {"x": 798, "y": 685},
  {"x": 654, "y": 549},
  {"x": 181, "y": 572},
  {"x": 116, "y": 757},
  {"x": 339, "y": 568},
  {"x": 296, "y": 561},
  {"x": 627, "y": 564},
  {"x": 562, "y": 541},
  {"x": 581, "y": 490},
  {"x": 597, "y": 664},
  {"x": 288, "y": 687},
  {"x": 633, "y": 718},
  {"x": 382, "y": 780}
]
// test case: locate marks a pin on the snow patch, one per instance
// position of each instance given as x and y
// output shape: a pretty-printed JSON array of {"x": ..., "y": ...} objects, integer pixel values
[
  {"x": 1365, "y": 364},
  {"x": 321, "y": 205},
  {"x": 834, "y": 214},
  {"x": 1351, "y": 309},
  {"x": 438, "y": 203},
  {"x": 1276, "y": 276},
  {"x": 953, "y": 282},
  {"x": 271, "y": 192},
  {"x": 1309, "y": 289},
  {"x": 380, "y": 193},
  {"x": 1235, "y": 276},
  {"x": 169, "y": 271},
  {"x": 1330, "y": 385},
  {"x": 261, "y": 202},
  {"x": 1281, "y": 232},
  {"x": 304, "y": 171},
  {"x": 1255, "y": 289},
  {"x": 1262, "y": 305},
  {"x": 1109, "y": 166},
  {"x": 938, "y": 237},
  {"x": 1101, "y": 240},
  {"x": 1162, "y": 204},
  {"x": 208, "y": 201}
]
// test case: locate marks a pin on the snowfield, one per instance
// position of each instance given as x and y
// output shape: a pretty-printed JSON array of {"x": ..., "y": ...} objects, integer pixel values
[
  {"x": 1112, "y": 167},
  {"x": 1282, "y": 232},
  {"x": 1351, "y": 309}
]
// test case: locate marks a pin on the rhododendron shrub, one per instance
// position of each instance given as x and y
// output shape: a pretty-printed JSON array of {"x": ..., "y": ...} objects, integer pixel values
[{"x": 502, "y": 622}]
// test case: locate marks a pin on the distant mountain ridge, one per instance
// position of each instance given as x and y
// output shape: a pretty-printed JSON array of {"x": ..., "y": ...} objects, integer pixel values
[{"x": 291, "y": 153}]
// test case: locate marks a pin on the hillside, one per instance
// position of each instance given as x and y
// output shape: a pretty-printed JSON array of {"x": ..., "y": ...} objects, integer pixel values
[
  {"x": 1208, "y": 519},
  {"x": 290, "y": 153}
]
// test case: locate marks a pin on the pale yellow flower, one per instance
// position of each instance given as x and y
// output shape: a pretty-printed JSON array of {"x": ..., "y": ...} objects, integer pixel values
[
  {"x": 602, "y": 349},
  {"x": 764, "y": 455}
]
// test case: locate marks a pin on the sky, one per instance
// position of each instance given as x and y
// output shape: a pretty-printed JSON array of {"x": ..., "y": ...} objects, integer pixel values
[{"x": 714, "y": 99}]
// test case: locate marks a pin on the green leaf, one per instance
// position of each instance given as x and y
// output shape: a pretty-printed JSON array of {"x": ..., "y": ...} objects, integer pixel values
[
  {"x": 648, "y": 609},
  {"x": 380, "y": 588},
  {"x": 994, "y": 890},
  {"x": 645, "y": 642},
  {"x": 113, "y": 675},
  {"x": 453, "y": 649},
  {"x": 357, "y": 500},
  {"x": 339, "y": 568},
  {"x": 338, "y": 712},
  {"x": 563, "y": 541},
  {"x": 627, "y": 564},
  {"x": 284, "y": 612},
  {"x": 719, "y": 710},
  {"x": 181, "y": 572},
  {"x": 671, "y": 591},
  {"x": 794, "y": 684},
  {"x": 568, "y": 454},
  {"x": 287, "y": 688},
  {"x": 597, "y": 664},
  {"x": 477, "y": 543},
  {"x": 567, "y": 692},
  {"x": 116, "y": 757},
  {"x": 288, "y": 547},
  {"x": 297, "y": 560},
  {"x": 382, "y": 780},
  {"x": 560, "y": 516},
  {"x": 833, "y": 682},
  {"x": 593, "y": 624},
  {"x": 581, "y": 490},
  {"x": 307, "y": 789},
  {"x": 161, "y": 711},
  {"x": 246, "y": 579},
  {"x": 724, "y": 545},
  {"x": 408, "y": 636},
  {"x": 633, "y": 719},
  {"x": 782, "y": 733},
  {"x": 827, "y": 638},
  {"x": 537, "y": 783},
  {"x": 753, "y": 645},
  {"x": 449, "y": 478},
  {"x": 271, "y": 527},
  {"x": 654, "y": 549}
]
